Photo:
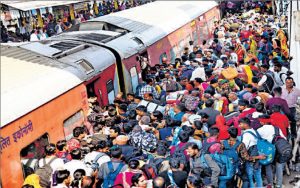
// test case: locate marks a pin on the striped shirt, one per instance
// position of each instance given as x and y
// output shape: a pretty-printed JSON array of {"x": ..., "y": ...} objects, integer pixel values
[{"x": 290, "y": 97}]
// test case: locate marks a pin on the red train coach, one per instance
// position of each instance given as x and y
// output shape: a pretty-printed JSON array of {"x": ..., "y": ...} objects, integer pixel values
[{"x": 155, "y": 30}]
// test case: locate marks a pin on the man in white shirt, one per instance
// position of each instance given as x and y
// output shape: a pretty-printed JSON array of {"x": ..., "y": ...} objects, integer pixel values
[
  {"x": 280, "y": 74},
  {"x": 101, "y": 149},
  {"x": 54, "y": 162},
  {"x": 253, "y": 169},
  {"x": 76, "y": 163},
  {"x": 233, "y": 55},
  {"x": 199, "y": 72},
  {"x": 267, "y": 132},
  {"x": 33, "y": 36},
  {"x": 50, "y": 151}
]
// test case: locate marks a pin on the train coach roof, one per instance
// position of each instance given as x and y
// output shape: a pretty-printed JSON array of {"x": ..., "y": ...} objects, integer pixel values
[
  {"x": 153, "y": 21},
  {"x": 29, "y": 80}
]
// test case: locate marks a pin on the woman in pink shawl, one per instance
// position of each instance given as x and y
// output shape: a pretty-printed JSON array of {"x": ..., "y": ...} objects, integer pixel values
[{"x": 123, "y": 180}]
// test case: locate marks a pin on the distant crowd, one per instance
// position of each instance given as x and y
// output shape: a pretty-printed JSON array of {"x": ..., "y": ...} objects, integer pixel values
[{"x": 52, "y": 25}]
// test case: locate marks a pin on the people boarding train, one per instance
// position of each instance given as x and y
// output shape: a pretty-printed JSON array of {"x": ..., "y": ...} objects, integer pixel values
[{"x": 230, "y": 126}]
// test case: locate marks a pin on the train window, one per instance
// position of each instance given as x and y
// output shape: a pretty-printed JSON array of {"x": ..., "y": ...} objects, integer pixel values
[
  {"x": 181, "y": 46},
  {"x": 110, "y": 91},
  {"x": 73, "y": 121},
  {"x": 204, "y": 32},
  {"x": 210, "y": 23},
  {"x": 173, "y": 54},
  {"x": 195, "y": 37},
  {"x": 31, "y": 154},
  {"x": 162, "y": 56},
  {"x": 188, "y": 38}
]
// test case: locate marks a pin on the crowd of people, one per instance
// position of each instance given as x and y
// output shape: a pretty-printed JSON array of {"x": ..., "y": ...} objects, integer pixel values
[
  {"x": 52, "y": 25},
  {"x": 228, "y": 119}
]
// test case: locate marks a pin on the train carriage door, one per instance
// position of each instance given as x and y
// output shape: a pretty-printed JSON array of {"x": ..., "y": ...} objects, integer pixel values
[
  {"x": 195, "y": 38},
  {"x": 134, "y": 78},
  {"x": 162, "y": 56},
  {"x": 110, "y": 91},
  {"x": 172, "y": 54},
  {"x": 144, "y": 61},
  {"x": 127, "y": 79},
  {"x": 203, "y": 30}
]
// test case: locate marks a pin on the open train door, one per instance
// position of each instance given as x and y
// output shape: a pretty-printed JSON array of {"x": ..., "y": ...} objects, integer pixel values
[{"x": 144, "y": 61}]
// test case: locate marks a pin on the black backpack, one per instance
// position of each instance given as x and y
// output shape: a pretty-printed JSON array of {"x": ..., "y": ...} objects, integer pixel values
[
  {"x": 284, "y": 149},
  {"x": 179, "y": 154},
  {"x": 269, "y": 83},
  {"x": 156, "y": 163},
  {"x": 27, "y": 170}
]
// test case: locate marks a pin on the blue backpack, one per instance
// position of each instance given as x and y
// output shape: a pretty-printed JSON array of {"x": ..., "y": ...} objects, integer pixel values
[
  {"x": 95, "y": 164},
  {"x": 231, "y": 151},
  {"x": 226, "y": 165},
  {"x": 264, "y": 148},
  {"x": 110, "y": 179},
  {"x": 241, "y": 94},
  {"x": 227, "y": 170}
]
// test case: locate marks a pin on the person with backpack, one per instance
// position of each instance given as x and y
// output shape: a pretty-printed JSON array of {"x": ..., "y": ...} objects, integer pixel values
[
  {"x": 178, "y": 151},
  {"x": 245, "y": 93},
  {"x": 212, "y": 145},
  {"x": 174, "y": 177},
  {"x": 266, "y": 81},
  {"x": 48, "y": 165},
  {"x": 210, "y": 168},
  {"x": 280, "y": 74},
  {"x": 77, "y": 163},
  {"x": 108, "y": 171},
  {"x": 96, "y": 158},
  {"x": 237, "y": 152},
  {"x": 249, "y": 138},
  {"x": 271, "y": 134},
  {"x": 210, "y": 111},
  {"x": 160, "y": 159},
  {"x": 245, "y": 109}
]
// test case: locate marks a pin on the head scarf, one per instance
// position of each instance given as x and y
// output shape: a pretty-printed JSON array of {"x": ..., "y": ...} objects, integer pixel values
[{"x": 33, "y": 180}]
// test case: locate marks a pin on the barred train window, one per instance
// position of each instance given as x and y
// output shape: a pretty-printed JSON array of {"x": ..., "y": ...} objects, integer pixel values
[
  {"x": 71, "y": 122},
  {"x": 31, "y": 154}
]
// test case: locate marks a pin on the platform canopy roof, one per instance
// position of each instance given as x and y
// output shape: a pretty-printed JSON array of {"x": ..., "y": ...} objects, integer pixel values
[{"x": 31, "y": 5}]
